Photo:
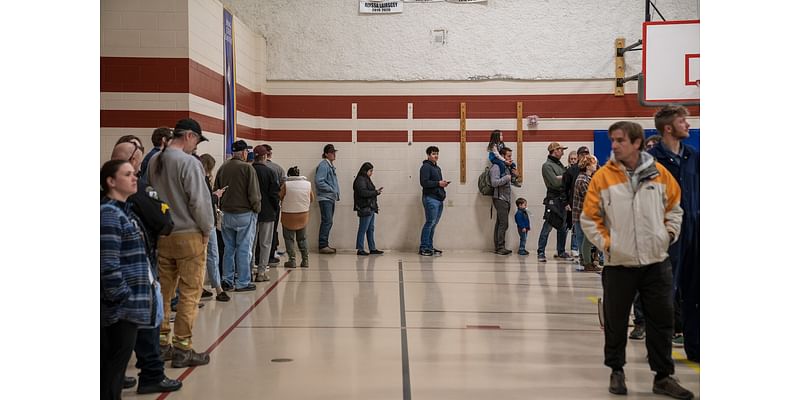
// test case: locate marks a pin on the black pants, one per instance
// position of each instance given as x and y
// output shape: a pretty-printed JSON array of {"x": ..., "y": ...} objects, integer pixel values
[
  {"x": 501, "y": 224},
  {"x": 116, "y": 346},
  {"x": 654, "y": 283},
  {"x": 148, "y": 357},
  {"x": 275, "y": 235}
]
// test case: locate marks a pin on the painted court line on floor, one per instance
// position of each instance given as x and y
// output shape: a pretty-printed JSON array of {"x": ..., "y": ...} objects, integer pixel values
[{"x": 230, "y": 329}]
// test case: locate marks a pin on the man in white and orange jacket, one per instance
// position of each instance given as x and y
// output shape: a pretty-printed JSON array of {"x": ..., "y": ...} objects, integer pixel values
[{"x": 632, "y": 211}]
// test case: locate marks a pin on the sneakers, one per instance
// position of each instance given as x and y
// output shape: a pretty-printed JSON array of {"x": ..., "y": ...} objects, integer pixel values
[
  {"x": 249, "y": 288},
  {"x": 637, "y": 333},
  {"x": 523, "y": 252},
  {"x": 575, "y": 253},
  {"x": 617, "y": 384},
  {"x": 669, "y": 386},
  {"x": 327, "y": 250},
  {"x": 362, "y": 253},
  {"x": 541, "y": 258},
  {"x": 436, "y": 251},
  {"x": 274, "y": 262},
  {"x": 188, "y": 358},
  {"x": 262, "y": 277},
  {"x": 503, "y": 251},
  {"x": 166, "y": 352},
  {"x": 563, "y": 256},
  {"x": 227, "y": 287},
  {"x": 206, "y": 294},
  {"x": 379, "y": 252},
  {"x": 289, "y": 264},
  {"x": 677, "y": 340},
  {"x": 591, "y": 268},
  {"x": 223, "y": 297}
]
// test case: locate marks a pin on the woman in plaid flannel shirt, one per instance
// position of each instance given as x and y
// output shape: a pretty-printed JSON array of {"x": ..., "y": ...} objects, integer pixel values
[{"x": 587, "y": 166}]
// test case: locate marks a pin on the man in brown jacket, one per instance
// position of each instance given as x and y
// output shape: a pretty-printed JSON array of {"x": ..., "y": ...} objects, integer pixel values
[{"x": 240, "y": 205}]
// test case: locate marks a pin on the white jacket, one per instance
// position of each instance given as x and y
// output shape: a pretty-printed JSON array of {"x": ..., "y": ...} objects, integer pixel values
[{"x": 631, "y": 218}]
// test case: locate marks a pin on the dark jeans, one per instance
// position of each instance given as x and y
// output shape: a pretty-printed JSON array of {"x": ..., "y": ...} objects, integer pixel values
[
  {"x": 148, "y": 356},
  {"x": 116, "y": 345},
  {"x": 654, "y": 283},
  {"x": 275, "y": 235},
  {"x": 326, "y": 209},
  {"x": 433, "y": 212},
  {"x": 523, "y": 238},
  {"x": 501, "y": 224},
  {"x": 561, "y": 239},
  {"x": 366, "y": 227}
]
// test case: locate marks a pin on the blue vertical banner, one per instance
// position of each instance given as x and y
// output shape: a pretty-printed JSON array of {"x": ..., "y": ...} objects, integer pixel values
[{"x": 230, "y": 82}]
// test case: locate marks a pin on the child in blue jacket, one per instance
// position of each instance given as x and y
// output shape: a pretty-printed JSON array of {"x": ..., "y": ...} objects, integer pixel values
[{"x": 523, "y": 224}]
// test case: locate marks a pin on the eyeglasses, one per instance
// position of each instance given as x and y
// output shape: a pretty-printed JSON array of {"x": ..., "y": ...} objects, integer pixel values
[{"x": 138, "y": 146}]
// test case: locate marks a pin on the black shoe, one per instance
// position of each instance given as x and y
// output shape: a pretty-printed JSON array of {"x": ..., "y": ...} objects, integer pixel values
[
  {"x": 166, "y": 385},
  {"x": 188, "y": 358},
  {"x": 129, "y": 382},
  {"x": 249, "y": 288},
  {"x": 503, "y": 252},
  {"x": 201, "y": 305},
  {"x": 227, "y": 287},
  {"x": 617, "y": 385},
  {"x": 223, "y": 297},
  {"x": 362, "y": 253},
  {"x": 166, "y": 352},
  {"x": 206, "y": 294},
  {"x": 376, "y": 252},
  {"x": 670, "y": 387},
  {"x": 427, "y": 253},
  {"x": 436, "y": 251},
  {"x": 274, "y": 262}
]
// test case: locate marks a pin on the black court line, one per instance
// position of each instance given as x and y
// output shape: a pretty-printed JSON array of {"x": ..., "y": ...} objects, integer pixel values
[{"x": 403, "y": 336}]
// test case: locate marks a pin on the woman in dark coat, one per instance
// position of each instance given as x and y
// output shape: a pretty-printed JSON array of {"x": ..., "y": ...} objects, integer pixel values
[{"x": 366, "y": 206}]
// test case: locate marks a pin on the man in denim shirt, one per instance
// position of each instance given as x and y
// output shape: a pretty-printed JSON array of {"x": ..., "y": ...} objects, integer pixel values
[{"x": 328, "y": 194}]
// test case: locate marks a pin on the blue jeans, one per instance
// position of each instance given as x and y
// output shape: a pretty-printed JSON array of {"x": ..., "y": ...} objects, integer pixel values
[
  {"x": 212, "y": 260},
  {"x": 523, "y": 238},
  {"x": 433, "y": 211},
  {"x": 238, "y": 231},
  {"x": 561, "y": 239},
  {"x": 366, "y": 225},
  {"x": 577, "y": 237},
  {"x": 326, "y": 209}
]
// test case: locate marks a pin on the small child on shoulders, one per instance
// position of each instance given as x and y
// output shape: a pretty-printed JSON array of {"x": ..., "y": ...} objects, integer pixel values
[{"x": 495, "y": 145}]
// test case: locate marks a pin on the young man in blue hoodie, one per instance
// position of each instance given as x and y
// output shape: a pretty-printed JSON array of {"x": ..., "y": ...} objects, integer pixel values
[
  {"x": 327, "y": 185},
  {"x": 433, "y": 195}
]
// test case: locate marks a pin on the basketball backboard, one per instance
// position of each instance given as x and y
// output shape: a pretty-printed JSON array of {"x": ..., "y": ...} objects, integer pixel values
[{"x": 671, "y": 62}]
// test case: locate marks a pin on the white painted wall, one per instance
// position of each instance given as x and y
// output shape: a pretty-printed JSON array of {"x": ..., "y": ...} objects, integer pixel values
[
  {"x": 500, "y": 39},
  {"x": 143, "y": 28}
]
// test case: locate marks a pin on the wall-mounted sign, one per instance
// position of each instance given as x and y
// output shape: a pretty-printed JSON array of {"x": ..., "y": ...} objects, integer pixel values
[{"x": 380, "y": 7}]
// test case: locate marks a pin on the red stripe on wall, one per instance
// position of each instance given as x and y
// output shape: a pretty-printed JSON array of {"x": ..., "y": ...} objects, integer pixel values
[
  {"x": 140, "y": 119},
  {"x": 306, "y": 136},
  {"x": 144, "y": 75},
  {"x": 206, "y": 83},
  {"x": 308, "y": 107},
  {"x": 382, "y": 136}
]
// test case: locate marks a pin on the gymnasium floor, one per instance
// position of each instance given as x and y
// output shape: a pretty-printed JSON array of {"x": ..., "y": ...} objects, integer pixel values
[{"x": 477, "y": 326}]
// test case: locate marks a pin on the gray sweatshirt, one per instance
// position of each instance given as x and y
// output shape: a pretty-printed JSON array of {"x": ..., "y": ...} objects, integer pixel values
[
  {"x": 181, "y": 184},
  {"x": 501, "y": 184}
]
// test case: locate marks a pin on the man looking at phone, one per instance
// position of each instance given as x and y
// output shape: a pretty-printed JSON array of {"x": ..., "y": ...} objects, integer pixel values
[
  {"x": 240, "y": 205},
  {"x": 433, "y": 195}
]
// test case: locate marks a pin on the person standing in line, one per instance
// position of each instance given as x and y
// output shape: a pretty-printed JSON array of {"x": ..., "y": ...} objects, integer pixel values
[
  {"x": 555, "y": 204},
  {"x": 587, "y": 166},
  {"x": 240, "y": 207},
  {"x": 327, "y": 184},
  {"x": 212, "y": 253},
  {"x": 180, "y": 182},
  {"x": 159, "y": 138},
  {"x": 494, "y": 147},
  {"x": 274, "y": 261},
  {"x": 652, "y": 141},
  {"x": 632, "y": 211},
  {"x": 433, "y": 195},
  {"x": 365, "y": 204},
  {"x": 501, "y": 200},
  {"x": 569, "y": 184},
  {"x": 269, "y": 183},
  {"x": 296, "y": 198},
  {"x": 683, "y": 162},
  {"x": 127, "y": 291},
  {"x": 523, "y": 224}
]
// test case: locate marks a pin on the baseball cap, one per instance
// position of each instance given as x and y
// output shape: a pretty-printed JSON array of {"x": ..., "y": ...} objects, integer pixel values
[
  {"x": 240, "y": 145},
  {"x": 189, "y": 124},
  {"x": 583, "y": 150},
  {"x": 260, "y": 150},
  {"x": 329, "y": 149},
  {"x": 555, "y": 145}
]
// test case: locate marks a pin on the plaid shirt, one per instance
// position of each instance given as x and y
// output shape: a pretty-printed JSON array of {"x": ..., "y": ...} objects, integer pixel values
[
  {"x": 126, "y": 288},
  {"x": 578, "y": 194}
]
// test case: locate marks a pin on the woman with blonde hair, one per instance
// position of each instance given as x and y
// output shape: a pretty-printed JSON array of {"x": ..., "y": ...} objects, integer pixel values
[{"x": 587, "y": 167}]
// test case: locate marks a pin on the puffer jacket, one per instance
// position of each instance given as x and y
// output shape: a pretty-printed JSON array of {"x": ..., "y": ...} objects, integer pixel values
[{"x": 631, "y": 218}]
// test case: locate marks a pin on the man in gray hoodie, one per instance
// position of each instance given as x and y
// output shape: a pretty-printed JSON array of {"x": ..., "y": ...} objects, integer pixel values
[{"x": 180, "y": 182}]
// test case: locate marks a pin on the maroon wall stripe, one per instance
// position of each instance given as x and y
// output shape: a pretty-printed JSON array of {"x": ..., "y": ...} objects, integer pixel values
[
  {"x": 382, "y": 136},
  {"x": 144, "y": 75},
  {"x": 205, "y": 83},
  {"x": 141, "y": 119}
]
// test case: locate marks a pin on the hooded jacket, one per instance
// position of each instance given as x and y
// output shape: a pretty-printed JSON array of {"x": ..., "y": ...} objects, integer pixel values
[
  {"x": 429, "y": 176},
  {"x": 632, "y": 217}
]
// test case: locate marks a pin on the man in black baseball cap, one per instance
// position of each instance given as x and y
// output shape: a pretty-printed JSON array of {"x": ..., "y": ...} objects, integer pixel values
[
  {"x": 185, "y": 125},
  {"x": 240, "y": 145}
]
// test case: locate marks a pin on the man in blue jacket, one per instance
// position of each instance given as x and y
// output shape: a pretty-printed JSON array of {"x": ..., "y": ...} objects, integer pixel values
[
  {"x": 433, "y": 195},
  {"x": 327, "y": 185},
  {"x": 683, "y": 162}
]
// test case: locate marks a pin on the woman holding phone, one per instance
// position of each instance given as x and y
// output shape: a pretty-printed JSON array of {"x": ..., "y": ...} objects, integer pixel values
[{"x": 366, "y": 206}]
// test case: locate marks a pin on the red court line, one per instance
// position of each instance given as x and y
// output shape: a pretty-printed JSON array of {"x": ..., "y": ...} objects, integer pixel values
[{"x": 230, "y": 329}]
